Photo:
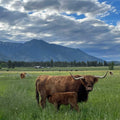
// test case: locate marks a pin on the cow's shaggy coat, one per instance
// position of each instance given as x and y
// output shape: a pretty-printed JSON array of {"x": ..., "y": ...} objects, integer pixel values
[{"x": 64, "y": 98}]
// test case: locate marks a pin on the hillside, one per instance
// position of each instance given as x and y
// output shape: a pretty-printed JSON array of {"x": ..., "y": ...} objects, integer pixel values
[{"x": 39, "y": 50}]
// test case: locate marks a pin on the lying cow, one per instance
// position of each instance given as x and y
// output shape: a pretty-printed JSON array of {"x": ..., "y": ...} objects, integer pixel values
[
  {"x": 22, "y": 75},
  {"x": 64, "y": 98}
]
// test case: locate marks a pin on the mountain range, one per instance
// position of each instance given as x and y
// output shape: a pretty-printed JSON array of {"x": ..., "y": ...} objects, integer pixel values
[{"x": 39, "y": 50}]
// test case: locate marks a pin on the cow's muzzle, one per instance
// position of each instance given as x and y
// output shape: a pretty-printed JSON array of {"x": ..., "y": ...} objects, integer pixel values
[{"x": 89, "y": 89}]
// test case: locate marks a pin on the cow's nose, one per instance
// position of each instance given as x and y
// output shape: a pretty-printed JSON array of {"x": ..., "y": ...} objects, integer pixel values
[{"x": 89, "y": 88}]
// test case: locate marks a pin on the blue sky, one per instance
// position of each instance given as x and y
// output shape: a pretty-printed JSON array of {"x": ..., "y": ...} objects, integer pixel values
[
  {"x": 114, "y": 17},
  {"x": 74, "y": 15},
  {"x": 90, "y": 25}
]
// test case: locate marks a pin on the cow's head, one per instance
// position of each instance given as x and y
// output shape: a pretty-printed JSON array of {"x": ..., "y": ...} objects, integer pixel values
[{"x": 88, "y": 81}]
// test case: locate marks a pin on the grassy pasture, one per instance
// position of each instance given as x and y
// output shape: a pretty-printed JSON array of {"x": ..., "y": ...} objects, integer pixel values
[
  {"x": 17, "y": 98},
  {"x": 60, "y": 68}
]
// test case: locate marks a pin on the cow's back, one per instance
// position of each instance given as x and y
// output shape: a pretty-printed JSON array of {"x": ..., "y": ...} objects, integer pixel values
[{"x": 55, "y": 84}]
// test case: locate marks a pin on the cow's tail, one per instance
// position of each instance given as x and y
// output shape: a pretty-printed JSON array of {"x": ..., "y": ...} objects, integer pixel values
[{"x": 37, "y": 93}]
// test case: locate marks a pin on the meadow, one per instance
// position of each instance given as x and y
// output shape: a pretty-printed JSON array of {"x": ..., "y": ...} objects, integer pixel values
[{"x": 17, "y": 97}]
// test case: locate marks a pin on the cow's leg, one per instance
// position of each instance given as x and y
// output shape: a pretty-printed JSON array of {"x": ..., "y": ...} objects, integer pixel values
[
  {"x": 37, "y": 96},
  {"x": 57, "y": 106},
  {"x": 71, "y": 107},
  {"x": 74, "y": 105},
  {"x": 71, "y": 101},
  {"x": 77, "y": 107},
  {"x": 43, "y": 101}
]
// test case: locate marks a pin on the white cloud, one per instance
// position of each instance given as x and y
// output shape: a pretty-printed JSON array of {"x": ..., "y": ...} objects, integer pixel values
[
  {"x": 12, "y": 5},
  {"x": 11, "y": 17},
  {"x": 90, "y": 8}
]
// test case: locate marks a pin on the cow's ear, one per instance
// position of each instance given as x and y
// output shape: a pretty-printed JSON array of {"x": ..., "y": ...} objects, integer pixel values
[{"x": 95, "y": 80}]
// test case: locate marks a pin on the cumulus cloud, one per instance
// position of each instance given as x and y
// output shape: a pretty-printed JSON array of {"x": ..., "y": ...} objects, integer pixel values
[
  {"x": 88, "y": 7},
  {"x": 41, "y": 5},
  {"x": 23, "y": 20},
  {"x": 11, "y": 17}
]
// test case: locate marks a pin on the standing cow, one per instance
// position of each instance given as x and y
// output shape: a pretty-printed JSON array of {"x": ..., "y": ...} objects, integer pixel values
[
  {"x": 64, "y": 98},
  {"x": 48, "y": 85}
]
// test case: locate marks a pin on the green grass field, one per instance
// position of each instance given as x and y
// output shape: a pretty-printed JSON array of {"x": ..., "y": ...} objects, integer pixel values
[{"x": 17, "y": 98}]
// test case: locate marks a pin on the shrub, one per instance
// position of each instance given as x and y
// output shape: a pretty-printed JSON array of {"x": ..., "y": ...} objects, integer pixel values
[
  {"x": 111, "y": 66},
  {"x": 0, "y": 67}
]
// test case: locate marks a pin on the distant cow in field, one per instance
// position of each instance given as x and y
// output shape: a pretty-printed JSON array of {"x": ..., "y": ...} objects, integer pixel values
[
  {"x": 47, "y": 85},
  {"x": 64, "y": 98},
  {"x": 22, "y": 75}
]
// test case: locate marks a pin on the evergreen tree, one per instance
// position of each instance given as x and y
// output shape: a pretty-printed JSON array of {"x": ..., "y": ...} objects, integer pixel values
[
  {"x": 105, "y": 63},
  {"x": 111, "y": 66},
  {"x": 51, "y": 63},
  {"x": 9, "y": 64},
  {"x": 13, "y": 64},
  {"x": 3, "y": 64}
]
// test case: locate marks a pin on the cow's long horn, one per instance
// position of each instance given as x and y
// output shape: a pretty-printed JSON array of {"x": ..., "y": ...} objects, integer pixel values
[
  {"x": 102, "y": 76},
  {"x": 78, "y": 78}
]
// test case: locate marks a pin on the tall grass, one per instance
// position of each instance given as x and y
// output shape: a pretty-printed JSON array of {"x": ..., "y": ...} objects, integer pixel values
[{"x": 17, "y": 99}]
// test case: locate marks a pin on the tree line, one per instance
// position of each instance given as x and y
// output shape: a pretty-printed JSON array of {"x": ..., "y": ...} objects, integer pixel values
[{"x": 51, "y": 63}]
